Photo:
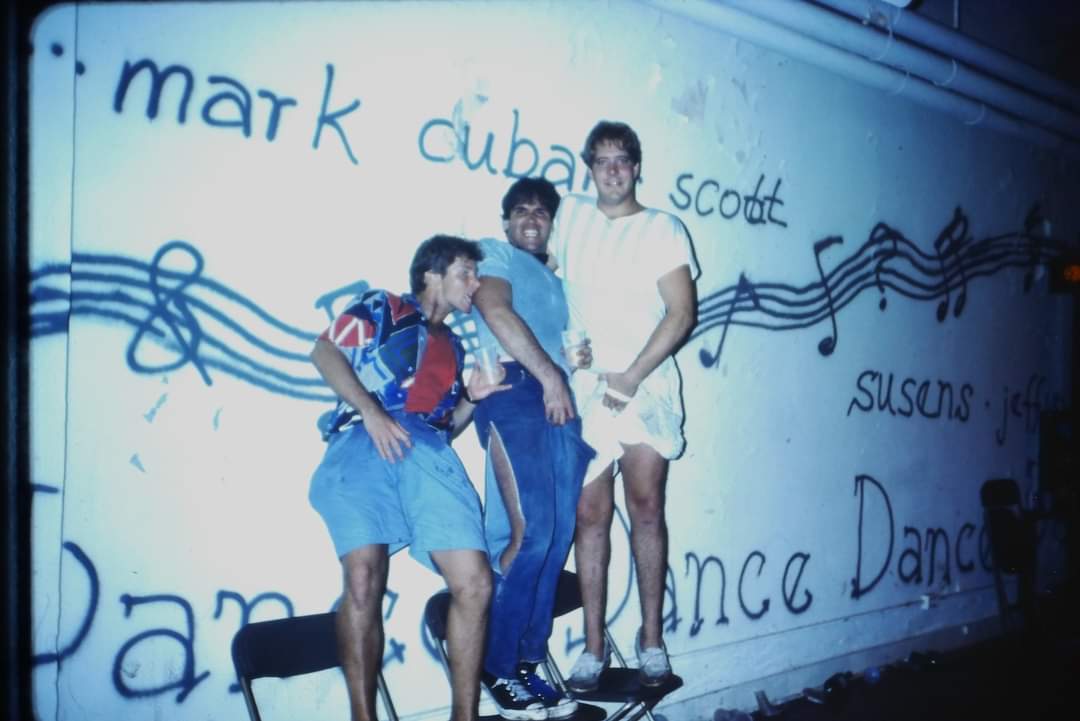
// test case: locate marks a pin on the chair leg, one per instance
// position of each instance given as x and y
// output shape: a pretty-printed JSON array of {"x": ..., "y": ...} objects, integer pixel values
[
  {"x": 388, "y": 703},
  {"x": 629, "y": 711},
  {"x": 249, "y": 700},
  {"x": 551, "y": 671}
]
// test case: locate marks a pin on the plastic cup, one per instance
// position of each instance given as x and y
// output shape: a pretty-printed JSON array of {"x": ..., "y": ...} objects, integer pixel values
[
  {"x": 487, "y": 357},
  {"x": 573, "y": 340}
]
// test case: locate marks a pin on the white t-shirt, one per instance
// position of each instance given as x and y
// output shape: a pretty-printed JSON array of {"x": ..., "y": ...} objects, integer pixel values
[{"x": 610, "y": 270}]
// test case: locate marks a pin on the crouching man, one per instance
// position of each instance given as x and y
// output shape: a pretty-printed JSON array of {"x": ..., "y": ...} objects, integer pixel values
[{"x": 389, "y": 478}]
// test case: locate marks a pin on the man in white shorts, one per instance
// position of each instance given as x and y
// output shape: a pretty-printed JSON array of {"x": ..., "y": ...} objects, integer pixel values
[{"x": 628, "y": 272}]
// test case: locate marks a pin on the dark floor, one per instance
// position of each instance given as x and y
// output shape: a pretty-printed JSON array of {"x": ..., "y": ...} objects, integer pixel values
[
  {"x": 1026, "y": 675},
  {"x": 992, "y": 680}
]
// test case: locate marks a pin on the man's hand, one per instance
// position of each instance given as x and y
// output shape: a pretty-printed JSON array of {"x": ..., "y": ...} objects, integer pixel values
[
  {"x": 387, "y": 434},
  {"x": 479, "y": 386},
  {"x": 558, "y": 403},
  {"x": 620, "y": 390},
  {"x": 579, "y": 356},
  {"x": 585, "y": 356}
]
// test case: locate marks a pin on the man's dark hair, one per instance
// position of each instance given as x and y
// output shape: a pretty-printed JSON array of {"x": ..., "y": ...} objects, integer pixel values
[
  {"x": 527, "y": 189},
  {"x": 438, "y": 253},
  {"x": 607, "y": 131}
]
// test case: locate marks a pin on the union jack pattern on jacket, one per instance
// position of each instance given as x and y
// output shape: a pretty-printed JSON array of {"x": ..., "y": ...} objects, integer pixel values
[{"x": 398, "y": 359}]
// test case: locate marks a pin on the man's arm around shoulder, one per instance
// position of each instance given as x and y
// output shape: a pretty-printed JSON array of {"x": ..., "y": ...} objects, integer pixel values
[{"x": 494, "y": 300}]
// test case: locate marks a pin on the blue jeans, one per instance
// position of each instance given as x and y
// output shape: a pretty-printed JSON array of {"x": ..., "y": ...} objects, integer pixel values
[{"x": 548, "y": 465}]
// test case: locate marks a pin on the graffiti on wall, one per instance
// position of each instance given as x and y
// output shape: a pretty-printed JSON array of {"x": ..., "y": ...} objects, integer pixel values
[
  {"x": 170, "y": 302},
  {"x": 711, "y": 198},
  {"x": 931, "y": 558},
  {"x": 129, "y": 656},
  {"x": 887, "y": 262},
  {"x": 230, "y": 103}
]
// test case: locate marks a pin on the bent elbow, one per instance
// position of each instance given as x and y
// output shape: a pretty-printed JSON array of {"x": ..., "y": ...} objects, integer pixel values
[
  {"x": 316, "y": 352},
  {"x": 322, "y": 352},
  {"x": 685, "y": 321}
]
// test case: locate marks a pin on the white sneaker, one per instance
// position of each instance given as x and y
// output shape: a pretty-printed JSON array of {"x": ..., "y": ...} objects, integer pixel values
[
  {"x": 585, "y": 673},
  {"x": 654, "y": 668}
]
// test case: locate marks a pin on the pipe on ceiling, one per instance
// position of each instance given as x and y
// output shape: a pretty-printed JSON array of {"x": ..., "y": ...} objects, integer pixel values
[
  {"x": 953, "y": 44},
  {"x": 889, "y": 50},
  {"x": 766, "y": 33}
]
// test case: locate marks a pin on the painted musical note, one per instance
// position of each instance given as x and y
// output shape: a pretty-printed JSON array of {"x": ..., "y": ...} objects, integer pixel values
[
  {"x": 744, "y": 289},
  {"x": 827, "y": 345},
  {"x": 880, "y": 235},
  {"x": 171, "y": 308},
  {"x": 949, "y": 243}
]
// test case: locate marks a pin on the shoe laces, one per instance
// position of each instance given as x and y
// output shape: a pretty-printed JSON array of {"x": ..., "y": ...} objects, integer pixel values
[
  {"x": 517, "y": 688},
  {"x": 538, "y": 686}
]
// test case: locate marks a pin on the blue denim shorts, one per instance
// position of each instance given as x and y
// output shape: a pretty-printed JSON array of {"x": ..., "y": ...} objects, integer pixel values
[{"x": 424, "y": 501}]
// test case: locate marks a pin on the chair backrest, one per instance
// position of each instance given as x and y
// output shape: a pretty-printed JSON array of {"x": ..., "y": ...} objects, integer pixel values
[
  {"x": 286, "y": 647},
  {"x": 435, "y": 612},
  {"x": 567, "y": 594}
]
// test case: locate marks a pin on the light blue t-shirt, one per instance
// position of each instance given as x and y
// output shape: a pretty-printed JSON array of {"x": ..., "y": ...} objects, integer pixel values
[{"x": 537, "y": 297}]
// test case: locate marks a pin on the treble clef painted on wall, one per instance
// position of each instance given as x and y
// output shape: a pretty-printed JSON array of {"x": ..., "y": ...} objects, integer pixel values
[{"x": 170, "y": 307}]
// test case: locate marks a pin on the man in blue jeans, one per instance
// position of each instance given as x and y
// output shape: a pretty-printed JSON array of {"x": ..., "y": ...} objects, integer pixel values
[{"x": 536, "y": 459}]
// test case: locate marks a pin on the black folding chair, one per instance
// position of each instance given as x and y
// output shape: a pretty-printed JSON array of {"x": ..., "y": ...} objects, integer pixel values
[
  {"x": 435, "y": 612},
  {"x": 618, "y": 684},
  {"x": 288, "y": 647},
  {"x": 1012, "y": 548}
]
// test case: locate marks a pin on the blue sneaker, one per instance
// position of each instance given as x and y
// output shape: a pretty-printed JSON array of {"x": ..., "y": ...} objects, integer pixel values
[
  {"x": 558, "y": 704},
  {"x": 513, "y": 700}
]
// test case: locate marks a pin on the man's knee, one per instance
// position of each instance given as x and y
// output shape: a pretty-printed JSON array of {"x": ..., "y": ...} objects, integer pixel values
[
  {"x": 645, "y": 507},
  {"x": 364, "y": 584},
  {"x": 594, "y": 512},
  {"x": 471, "y": 587}
]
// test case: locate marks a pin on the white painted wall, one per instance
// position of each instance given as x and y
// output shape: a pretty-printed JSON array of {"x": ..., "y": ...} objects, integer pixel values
[{"x": 171, "y": 461}]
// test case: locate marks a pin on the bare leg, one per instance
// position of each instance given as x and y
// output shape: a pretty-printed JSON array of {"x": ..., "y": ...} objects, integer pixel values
[
  {"x": 644, "y": 473},
  {"x": 469, "y": 579},
  {"x": 592, "y": 553},
  {"x": 504, "y": 477},
  {"x": 359, "y": 626}
]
